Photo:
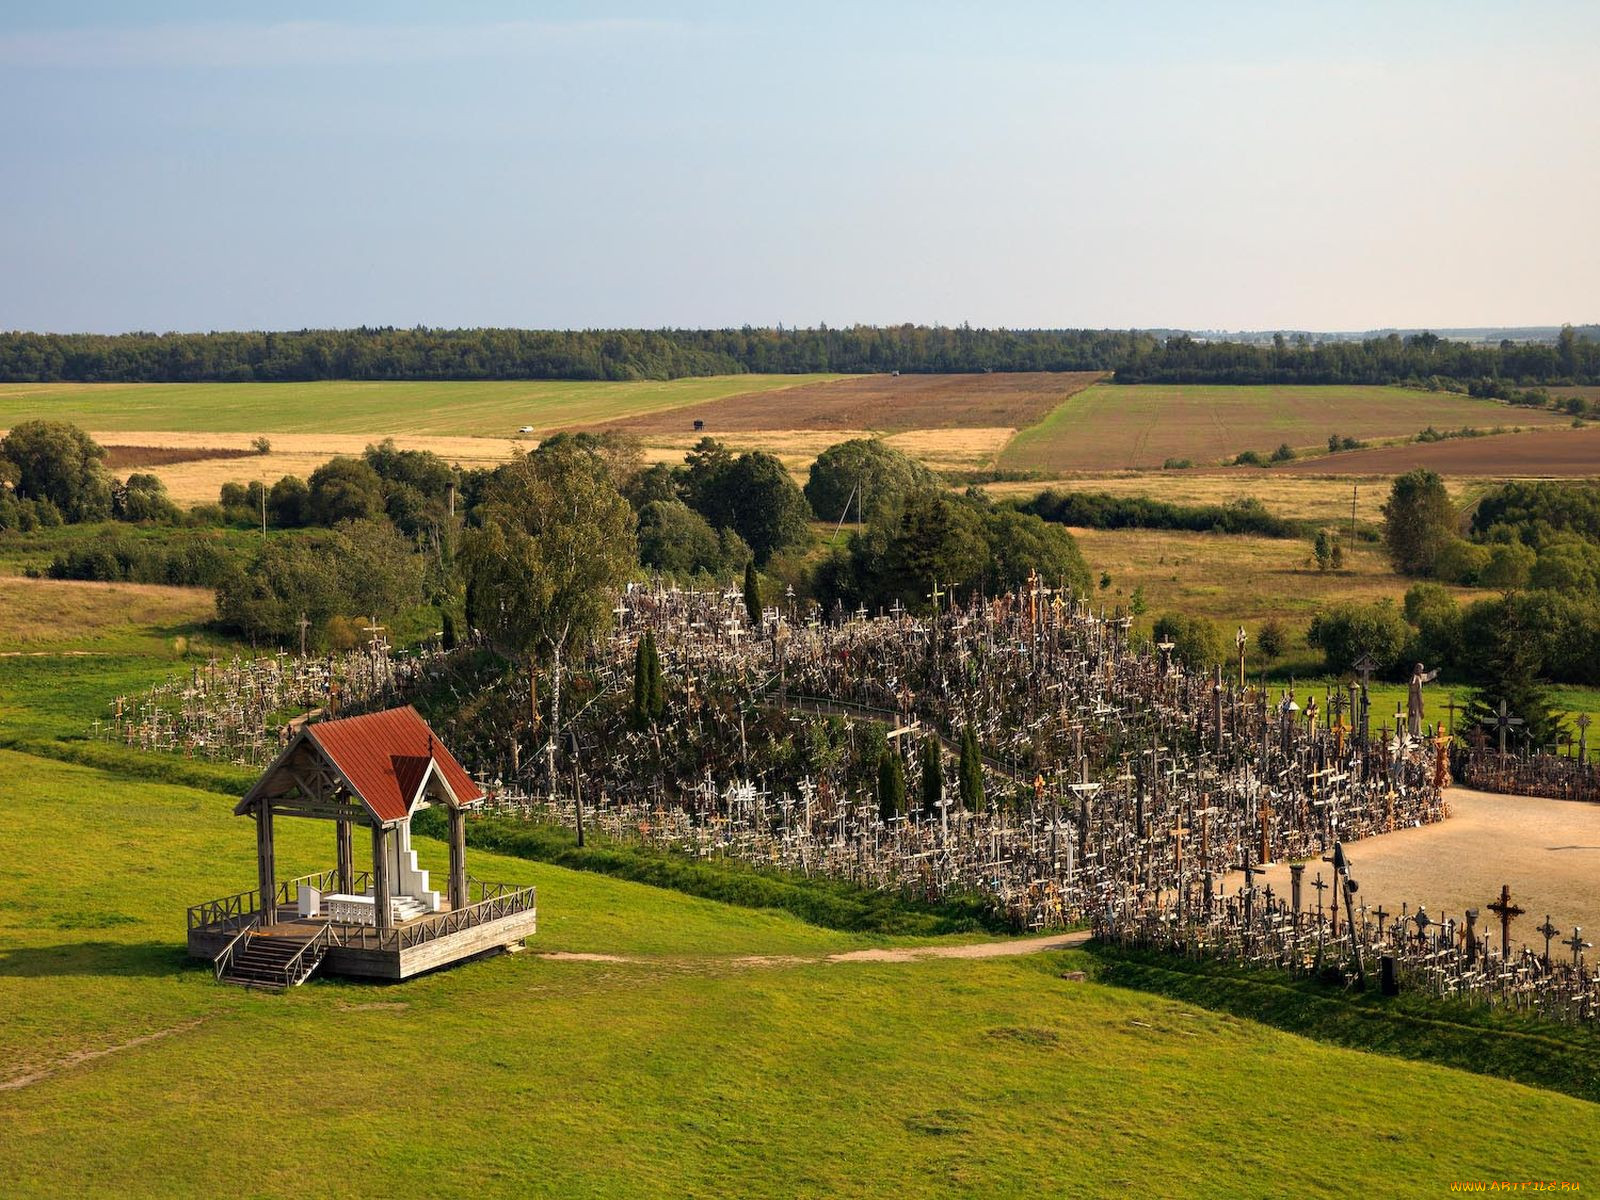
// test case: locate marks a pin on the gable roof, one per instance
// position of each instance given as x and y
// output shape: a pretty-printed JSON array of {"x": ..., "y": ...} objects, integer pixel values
[{"x": 386, "y": 758}]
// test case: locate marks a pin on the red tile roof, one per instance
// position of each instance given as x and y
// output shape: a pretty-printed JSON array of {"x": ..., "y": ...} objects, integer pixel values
[{"x": 385, "y": 756}]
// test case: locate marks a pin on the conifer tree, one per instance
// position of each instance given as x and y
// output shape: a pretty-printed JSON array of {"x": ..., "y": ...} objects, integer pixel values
[
  {"x": 971, "y": 771},
  {"x": 932, "y": 776},
  {"x": 752, "y": 594},
  {"x": 891, "y": 785}
]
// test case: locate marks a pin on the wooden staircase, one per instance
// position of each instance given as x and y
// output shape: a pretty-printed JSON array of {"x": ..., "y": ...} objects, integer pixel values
[{"x": 270, "y": 963}]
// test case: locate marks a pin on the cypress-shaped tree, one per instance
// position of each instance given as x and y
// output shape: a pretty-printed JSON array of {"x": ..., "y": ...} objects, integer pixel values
[
  {"x": 891, "y": 785},
  {"x": 649, "y": 700},
  {"x": 752, "y": 593},
  {"x": 932, "y": 776},
  {"x": 970, "y": 775}
]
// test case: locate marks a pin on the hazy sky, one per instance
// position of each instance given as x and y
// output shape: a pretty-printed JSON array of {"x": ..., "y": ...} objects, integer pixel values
[{"x": 1221, "y": 165}]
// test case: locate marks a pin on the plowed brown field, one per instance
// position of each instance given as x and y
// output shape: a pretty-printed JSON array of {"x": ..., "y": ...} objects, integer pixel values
[
  {"x": 1564, "y": 453},
  {"x": 882, "y": 403}
]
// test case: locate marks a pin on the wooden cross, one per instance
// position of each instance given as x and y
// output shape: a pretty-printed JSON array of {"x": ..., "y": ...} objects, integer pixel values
[
  {"x": 1577, "y": 945},
  {"x": 1264, "y": 814},
  {"x": 1583, "y": 722},
  {"x": 1321, "y": 886},
  {"x": 1503, "y": 721},
  {"x": 1382, "y": 917},
  {"x": 1506, "y": 910},
  {"x": 1239, "y": 640},
  {"x": 304, "y": 625},
  {"x": 1549, "y": 931}
]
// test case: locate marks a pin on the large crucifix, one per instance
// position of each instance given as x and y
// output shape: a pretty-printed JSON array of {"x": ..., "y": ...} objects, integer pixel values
[{"x": 1505, "y": 910}]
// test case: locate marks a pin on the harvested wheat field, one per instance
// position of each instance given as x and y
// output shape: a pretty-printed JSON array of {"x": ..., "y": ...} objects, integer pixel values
[
  {"x": 1113, "y": 426},
  {"x": 58, "y": 613},
  {"x": 883, "y": 403},
  {"x": 1556, "y": 453}
]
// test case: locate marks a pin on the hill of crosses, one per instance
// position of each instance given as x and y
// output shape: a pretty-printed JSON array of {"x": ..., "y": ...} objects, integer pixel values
[{"x": 1018, "y": 748}]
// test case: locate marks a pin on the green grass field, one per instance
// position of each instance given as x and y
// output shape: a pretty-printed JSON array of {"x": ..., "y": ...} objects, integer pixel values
[
  {"x": 723, "y": 1053},
  {"x": 1109, "y": 427},
  {"x": 372, "y": 409}
]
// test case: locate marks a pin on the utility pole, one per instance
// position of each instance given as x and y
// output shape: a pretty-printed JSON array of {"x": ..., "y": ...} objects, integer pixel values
[{"x": 1353, "y": 491}]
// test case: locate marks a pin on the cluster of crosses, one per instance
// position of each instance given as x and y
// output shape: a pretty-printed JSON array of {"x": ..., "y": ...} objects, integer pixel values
[
  {"x": 240, "y": 711},
  {"x": 1447, "y": 956},
  {"x": 1113, "y": 775}
]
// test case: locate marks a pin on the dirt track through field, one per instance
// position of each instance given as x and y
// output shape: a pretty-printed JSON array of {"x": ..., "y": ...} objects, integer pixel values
[
  {"x": 1008, "y": 948},
  {"x": 884, "y": 403}
]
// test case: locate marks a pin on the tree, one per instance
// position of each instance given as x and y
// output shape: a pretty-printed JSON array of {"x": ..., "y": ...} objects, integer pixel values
[
  {"x": 1196, "y": 642},
  {"x": 553, "y": 543},
  {"x": 1514, "y": 678},
  {"x": 1347, "y": 630},
  {"x": 344, "y": 489},
  {"x": 763, "y": 505},
  {"x": 415, "y": 485},
  {"x": 649, "y": 699},
  {"x": 866, "y": 478},
  {"x": 752, "y": 594},
  {"x": 1272, "y": 639},
  {"x": 891, "y": 785},
  {"x": 969, "y": 776},
  {"x": 1322, "y": 550},
  {"x": 143, "y": 498},
  {"x": 676, "y": 540},
  {"x": 289, "y": 503},
  {"x": 1419, "y": 521},
  {"x": 939, "y": 540},
  {"x": 58, "y": 463},
  {"x": 1509, "y": 566},
  {"x": 932, "y": 776}
]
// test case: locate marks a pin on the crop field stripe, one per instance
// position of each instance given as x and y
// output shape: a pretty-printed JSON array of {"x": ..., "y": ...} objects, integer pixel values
[
  {"x": 371, "y": 408},
  {"x": 1113, "y": 426}
]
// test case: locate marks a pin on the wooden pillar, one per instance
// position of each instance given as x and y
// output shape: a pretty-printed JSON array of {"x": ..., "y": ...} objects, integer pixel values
[
  {"x": 458, "y": 858},
  {"x": 266, "y": 869},
  {"x": 380, "y": 879},
  {"x": 347, "y": 864}
]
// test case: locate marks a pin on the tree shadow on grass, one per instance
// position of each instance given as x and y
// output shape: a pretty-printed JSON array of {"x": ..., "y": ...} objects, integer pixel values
[{"x": 145, "y": 960}]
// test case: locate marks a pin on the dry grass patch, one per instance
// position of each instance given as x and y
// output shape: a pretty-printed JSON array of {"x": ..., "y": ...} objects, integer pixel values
[{"x": 58, "y": 614}]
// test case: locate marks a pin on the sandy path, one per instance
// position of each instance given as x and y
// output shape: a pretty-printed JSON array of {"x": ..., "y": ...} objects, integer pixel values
[
  {"x": 1547, "y": 850},
  {"x": 1009, "y": 948}
]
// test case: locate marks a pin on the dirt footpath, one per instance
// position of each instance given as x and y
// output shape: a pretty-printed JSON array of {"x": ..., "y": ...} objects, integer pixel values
[{"x": 1547, "y": 850}]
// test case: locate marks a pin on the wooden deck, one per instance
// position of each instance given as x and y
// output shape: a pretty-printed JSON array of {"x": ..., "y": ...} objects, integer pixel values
[{"x": 500, "y": 917}]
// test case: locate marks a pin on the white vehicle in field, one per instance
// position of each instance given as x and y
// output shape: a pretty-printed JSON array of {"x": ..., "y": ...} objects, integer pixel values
[{"x": 526, "y": 429}]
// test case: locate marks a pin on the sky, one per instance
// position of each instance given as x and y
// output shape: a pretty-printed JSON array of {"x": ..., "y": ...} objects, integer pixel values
[{"x": 1349, "y": 166}]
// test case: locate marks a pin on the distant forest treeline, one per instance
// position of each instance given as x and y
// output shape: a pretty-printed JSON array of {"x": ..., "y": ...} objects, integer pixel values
[
  {"x": 1417, "y": 359},
  {"x": 1136, "y": 357},
  {"x": 537, "y": 354}
]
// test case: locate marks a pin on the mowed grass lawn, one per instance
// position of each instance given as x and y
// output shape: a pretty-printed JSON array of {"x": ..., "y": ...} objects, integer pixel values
[
  {"x": 1112, "y": 426},
  {"x": 375, "y": 409},
  {"x": 688, "y": 1070}
]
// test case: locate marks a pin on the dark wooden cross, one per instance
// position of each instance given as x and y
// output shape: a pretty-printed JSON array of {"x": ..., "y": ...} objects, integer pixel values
[
  {"x": 1503, "y": 721},
  {"x": 1382, "y": 917},
  {"x": 1264, "y": 814},
  {"x": 1549, "y": 931},
  {"x": 1577, "y": 944},
  {"x": 1505, "y": 910},
  {"x": 1320, "y": 887},
  {"x": 1583, "y": 722}
]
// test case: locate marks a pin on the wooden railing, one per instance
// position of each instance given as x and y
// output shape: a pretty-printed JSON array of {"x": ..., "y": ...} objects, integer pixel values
[
  {"x": 229, "y": 913},
  {"x": 316, "y": 947},
  {"x": 224, "y": 960},
  {"x": 503, "y": 900}
]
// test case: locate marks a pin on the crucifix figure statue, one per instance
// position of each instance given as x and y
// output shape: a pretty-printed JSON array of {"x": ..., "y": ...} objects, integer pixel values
[{"x": 1414, "y": 699}]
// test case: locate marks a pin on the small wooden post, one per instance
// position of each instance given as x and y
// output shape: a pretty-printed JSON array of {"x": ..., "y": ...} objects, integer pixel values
[
  {"x": 458, "y": 858},
  {"x": 380, "y": 879},
  {"x": 266, "y": 869}
]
